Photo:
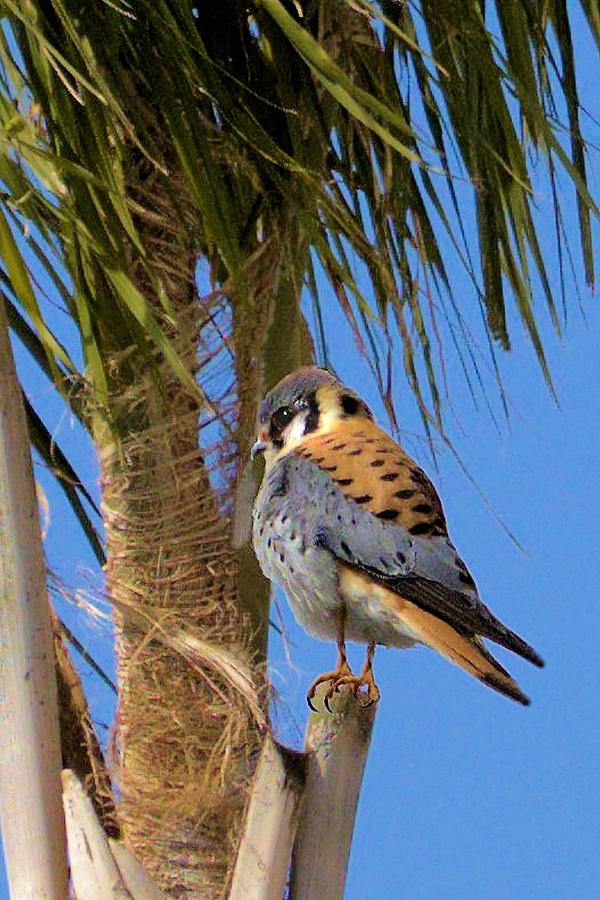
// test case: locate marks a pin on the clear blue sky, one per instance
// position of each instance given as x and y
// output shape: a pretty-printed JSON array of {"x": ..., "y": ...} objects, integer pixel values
[{"x": 467, "y": 795}]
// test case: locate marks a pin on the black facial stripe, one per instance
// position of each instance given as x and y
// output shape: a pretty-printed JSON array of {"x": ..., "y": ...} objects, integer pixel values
[
  {"x": 349, "y": 404},
  {"x": 276, "y": 441},
  {"x": 312, "y": 419},
  {"x": 275, "y": 435},
  {"x": 353, "y": 406}
]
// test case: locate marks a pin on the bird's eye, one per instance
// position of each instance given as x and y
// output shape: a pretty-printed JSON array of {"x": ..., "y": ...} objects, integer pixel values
[{"x": 282, "y": 417}]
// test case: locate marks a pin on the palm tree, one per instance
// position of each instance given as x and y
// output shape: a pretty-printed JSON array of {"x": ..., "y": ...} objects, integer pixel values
[{"x": 178, "y": 176}]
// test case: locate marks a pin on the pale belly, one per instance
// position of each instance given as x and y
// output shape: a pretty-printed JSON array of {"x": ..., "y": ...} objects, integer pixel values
[
  {"x": 316, "y": 590},
  {"x": 293, "y": 502}
]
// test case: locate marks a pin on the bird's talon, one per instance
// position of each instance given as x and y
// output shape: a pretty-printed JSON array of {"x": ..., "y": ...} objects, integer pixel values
[
  {"x": 368, "y": 700},
  {"x": 333, "y": 680}
]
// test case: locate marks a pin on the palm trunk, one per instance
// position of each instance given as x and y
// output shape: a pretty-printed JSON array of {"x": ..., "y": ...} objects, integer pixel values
[{"x": 186, "y": 739}]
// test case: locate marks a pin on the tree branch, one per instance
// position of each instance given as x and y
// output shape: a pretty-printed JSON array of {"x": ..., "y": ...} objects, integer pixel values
[
  {"x": 337, "y": 751},
  {"x": 263, "y": 857}
]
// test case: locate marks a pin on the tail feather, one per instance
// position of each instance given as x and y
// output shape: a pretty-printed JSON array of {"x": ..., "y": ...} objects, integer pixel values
[
  {"x": 468, "y": 653},
  {"x": 507, "y": 638},
  {"x": 435, "y": 598}
]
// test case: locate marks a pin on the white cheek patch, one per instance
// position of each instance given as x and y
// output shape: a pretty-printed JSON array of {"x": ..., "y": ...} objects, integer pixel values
[{"x": 295, "y": 430}]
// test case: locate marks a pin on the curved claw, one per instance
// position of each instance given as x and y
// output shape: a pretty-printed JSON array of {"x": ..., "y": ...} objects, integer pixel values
[
  {"x": 364, "y": 700},
  {"x": 369, "y": 701},
  {"x": 333, "y": 679}
]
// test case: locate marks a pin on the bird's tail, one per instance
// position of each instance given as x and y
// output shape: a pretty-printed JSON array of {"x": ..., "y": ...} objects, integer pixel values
[{"x": 467, "y": 652}]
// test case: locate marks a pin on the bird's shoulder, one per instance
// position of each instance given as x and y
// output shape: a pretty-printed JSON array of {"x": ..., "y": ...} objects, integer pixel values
[{"x": 370, "y": 467}]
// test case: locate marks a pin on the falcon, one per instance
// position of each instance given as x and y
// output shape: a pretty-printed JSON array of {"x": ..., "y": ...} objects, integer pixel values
[{"x": 354, "y": 532}]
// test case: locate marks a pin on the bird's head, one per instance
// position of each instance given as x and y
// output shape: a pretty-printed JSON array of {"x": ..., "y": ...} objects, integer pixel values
[{"x": 308, "y": 401}]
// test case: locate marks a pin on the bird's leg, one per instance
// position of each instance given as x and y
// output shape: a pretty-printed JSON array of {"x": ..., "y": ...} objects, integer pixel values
[
  {"x": 357, "y": 681},
  {"x": 342, "y": 669}
]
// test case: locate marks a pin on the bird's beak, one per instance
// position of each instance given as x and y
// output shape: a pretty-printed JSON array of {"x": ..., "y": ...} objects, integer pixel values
[{"x": 257, "y": 448}]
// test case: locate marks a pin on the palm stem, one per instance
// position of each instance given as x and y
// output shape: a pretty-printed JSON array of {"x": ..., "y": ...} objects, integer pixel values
[
  {"x": 30, "y": 755},
  {"x": 337, "y": 751}
]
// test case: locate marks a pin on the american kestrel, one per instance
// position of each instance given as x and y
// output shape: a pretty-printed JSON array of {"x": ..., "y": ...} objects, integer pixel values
[{"x": 355, "y": 533}]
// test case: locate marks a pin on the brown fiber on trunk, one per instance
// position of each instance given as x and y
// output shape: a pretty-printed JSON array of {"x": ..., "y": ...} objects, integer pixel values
[{"x": 186, "y": 740}]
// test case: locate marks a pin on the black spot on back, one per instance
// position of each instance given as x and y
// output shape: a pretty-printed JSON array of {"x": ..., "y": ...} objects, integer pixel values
[
  {"x": 364, "y": 498},
  {"x": 344, "y": 481},
  {"x": 405, "y": 494},
  {"x": 338, "y": 447},
  {"x": 419, "y": 477},
  {"x": 355, "y": 452},
  {"x": 388, "y": 515},
  {"x": 390, "y": 476},
  {"x": 376, "y": 463},
  {"x": 424, "y": 508},
  {"x": 329, "y": 468},
  {"x": 421, "y": 528}
]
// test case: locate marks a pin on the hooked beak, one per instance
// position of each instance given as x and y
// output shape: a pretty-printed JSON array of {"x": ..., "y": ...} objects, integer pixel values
[{"x": 257, "y": 448}]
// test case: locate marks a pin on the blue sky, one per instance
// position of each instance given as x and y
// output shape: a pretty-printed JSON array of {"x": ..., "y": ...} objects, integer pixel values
[{"x": 466, "y": 795}]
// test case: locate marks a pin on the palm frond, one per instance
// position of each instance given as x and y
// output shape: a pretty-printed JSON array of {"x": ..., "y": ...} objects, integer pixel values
[{"x": 368, "y": 127}]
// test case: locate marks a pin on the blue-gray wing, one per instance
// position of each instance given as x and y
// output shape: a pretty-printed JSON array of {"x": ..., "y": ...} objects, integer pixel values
[{"x": 425, "y": 570}]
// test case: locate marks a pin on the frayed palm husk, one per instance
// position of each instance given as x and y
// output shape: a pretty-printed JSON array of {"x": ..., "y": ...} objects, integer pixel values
[{"x": 189, "y": 715}]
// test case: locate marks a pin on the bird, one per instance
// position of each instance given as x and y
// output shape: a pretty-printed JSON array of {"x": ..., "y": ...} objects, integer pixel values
[{"x": 354, "y": 532}]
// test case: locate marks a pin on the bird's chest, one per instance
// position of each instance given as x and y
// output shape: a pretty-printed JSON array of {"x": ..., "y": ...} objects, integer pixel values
[
  {"x": 284, "y": 534},
  {"x": 287, "y": 520}
]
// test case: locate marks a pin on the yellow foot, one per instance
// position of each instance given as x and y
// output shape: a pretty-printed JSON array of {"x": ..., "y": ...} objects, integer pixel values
[
  {"x": 342, "y": 671},
  {"x": 365, "y": 679}
]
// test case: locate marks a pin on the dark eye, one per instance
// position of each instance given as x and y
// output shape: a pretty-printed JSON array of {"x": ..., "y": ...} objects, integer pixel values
[{"x": 282, "y": 417}]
